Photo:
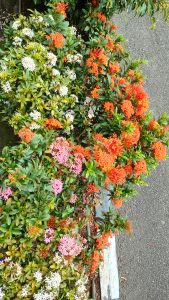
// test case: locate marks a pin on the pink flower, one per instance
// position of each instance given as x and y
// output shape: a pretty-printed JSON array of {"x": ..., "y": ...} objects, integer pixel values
[
  {"x": 69, "y": 246},
  {"x": 57, "y": 186},
  {"x": 73, "y": 199},
  {"x": 60, "y": 150},
  {"x": 76, "y": 166},
  {"x": 49, "y": 235},
  {"x": 6, "y": 193}
]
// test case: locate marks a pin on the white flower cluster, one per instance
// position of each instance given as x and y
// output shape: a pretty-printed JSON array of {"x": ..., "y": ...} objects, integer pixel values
[
  {"x": 63, "y": 91},
  {"x": 57, "y": 258},
  {"x": 28, "y": 63},
  {"x": 28, "y": 32},
  {"x": 17, "y": 41},
  {"x": 81, "y": 292},
  {"x": 74, "y": 58},
  {"x": 6, "y": 87},
  {"x": 1, "y": 293},
  {"x": 91, "y": 112},
  {"x": 52, "y": 58},
  {"x": 25, "y": 292},
  {"x": 87, "y": 101},
  {"x": 37, "y": 19},
  {"x": 4, "y": 67},
  {"x": 55, "y": 72},
  {"x": 72, "y": 30},
  {"x": 53, "y": 282},
  {"x": 35, "y": 115},
  {"x": 71, "y": 74},
  {"x": 34, "y": 126},
  {"x": 16, "y": 24},
  {"x": 75, "y": 97},
  {"x": 42, "y": 295},
  {"x": 38, "y": 276},
  {"x": 70, "y": 116}
]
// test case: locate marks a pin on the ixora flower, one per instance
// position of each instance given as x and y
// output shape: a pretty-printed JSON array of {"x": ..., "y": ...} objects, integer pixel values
[
  {"x": 55, "y": 72},
  {"x": 57, "y": 186},
  {"x": 60, "y": 150},
  {"x": 6, "y": 193},
  {"x": 58, "y": 39},
  {"x": 49, "y": 235},
  {"x": 38, "y": 276},
  {"x": 52, "y": 58},
  {"x": 28, "y": 32},
  {"x": 34, "y": 126},
  {"x": 7, "y": 87},
  {"x": 53, "y": 282},
  {"x": 17, "y": 41},
  {"x": 35, "y": 115},
  {"x": 1, "y": 293},
  {"x": 25, "y": 291},
  {"x": 69, "y": 246},
  {"x": 71, "y": 74},
  {"x": 63, "y": 91},
  {"x": 28, "y": 63},
  {"x": 16, "y": 24},
  {"x": 43, "y": 295}
]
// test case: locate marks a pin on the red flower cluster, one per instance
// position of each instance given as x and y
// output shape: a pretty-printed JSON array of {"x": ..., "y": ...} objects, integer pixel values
[
  {"x": 127, "y": 108},
  {"x": 57, "y": 38},
  {"x": 140, "y": 167},
  {"x": 61, "y": 7},
  {"x": 26, "y": 134},
  {"x": 131, "y": 139},
  {"x": 96, "y": 61},
  {"x": 118, "y": 202},
  {"x": 159, "y": 150},
  {"x": 103, "y": 240},
  {"x": 117, "y": 175},
  {"x": 53, "y": 124}
]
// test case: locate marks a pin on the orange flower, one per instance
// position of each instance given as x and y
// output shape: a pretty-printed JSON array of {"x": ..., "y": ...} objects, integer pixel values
[
  {"x": 159, "y": 150},
  {"x": 142, "y": 107},
  {"x": 114, "y": 67},
  {"x": 101, "y": 16},
  {"x": 131, "y": 139},
  {"x": 58, "y": 39},
  {"x": 128, "y": 227},
  {"x": 127, "y": 108},
  {"x": 26, "y": 134},
  {"x": 110, "y": 43},
  {"x": 103, "y": 240},
  {"x": 117, "y": 175},
  {"x": 92, "y": 188},
  {"x": 79, "y": 149},
  {"x": 115, "y": 146},
  {"x": 117, "y": 202},
  {"x": 119, "y": 47},
  {"x": 131, "y": 73},
  {"x": 153, "y": 125},
  {"x": 95, "y": 93},
  {"x": 140, "y": 167},
  {"x": 104, "y": 160},
  {"x": 61, "y": 7},
  {"x": 52, "y": 222},
  {"x": 53, "y": 123},
  {"x": 44, "y": 253},
  {"x": 33, "y": 231},
  {"x": 108, "y": 106},
  {"x": 122, "y": 80},
  {"x": 129, "y": 170}
]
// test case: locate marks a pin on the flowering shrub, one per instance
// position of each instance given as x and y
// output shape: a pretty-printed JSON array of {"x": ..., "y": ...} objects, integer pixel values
[{"x": 78, "y": 105}]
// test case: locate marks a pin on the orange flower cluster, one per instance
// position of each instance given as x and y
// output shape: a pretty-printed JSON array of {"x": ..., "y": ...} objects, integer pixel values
[
  {"x": 115, "y": 146},
  {"x": 81, "y": 150},
  {"x": 114, "y": 67},
  {"x": 129, "y": 170},
  {"x": 26, "y": 134},
  {"x": 92, "y": 188},
  {"x": 108, "y": 106},
  {"x": 104, "y": 159},
  {"x": 118, "y": 202},
  {"x": 142, "y": 107},
  {"x": 58, "y": 39},
  {"x": 159, "y": 150},
  {"x": 110, "y": 43},
  {"x": 138, "y": 93},
  {"x": 52, "y": 222},
  {"x": 53, "y": 124},
  {"x": 96, "y": 61},
  {"x": 101, "y": 16},
  {"x": 131, "y": 139},
  {"x": 94, "y": 261},
  {"x": 127, "y": 108},
  {"x": 61, "y": 8},
  {"x": 33, "y": 231},
  {"x": 95, "y": 93},
  {"x": 117, "y": 175},
  {"x": 103, "y": 240},
  {"x": 140, "y": 167},
  {"x": 153, "y": 125}
]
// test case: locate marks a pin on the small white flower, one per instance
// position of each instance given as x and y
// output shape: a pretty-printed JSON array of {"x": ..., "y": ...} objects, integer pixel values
[
  {"x": 1, "y": 293},
  {"x": 53, "y": 282},
  {"x": 18, "y": 269},
  {"x": 35, "y": 115},
  {"x": 17, "y": 41},
  {"x": 78, "y": 58},
  {"x": 28, "y": 63},
  {"x": 24, "y": 292},
  {"x": 75, "y": 97},
  {"x": 28, "y": 32},
  {"x": 91, "y": 113},
  {"x": 34, "y": 126},
  {"x": 72, "y": 30},
  {"x": 4, "y": 67},
  {"x": 57, "y": 258},
  {"x": 71, "y": 74},
  {"x": 39, "y": 19},
  {"x": 55, "y": 72},
  {"x": 38, "y": 276},
  {"x": 6, "y": 87},
  {"x": 63, "y": 91},
  {"x": 70, "y": 116},
  {"x": 42, "y": 295},
  {"x": 52, "y": 58},
  {"x": 51, "y": 17},
  {"x": 16, "y": 24},
  {"x": 87, "y": 101}
]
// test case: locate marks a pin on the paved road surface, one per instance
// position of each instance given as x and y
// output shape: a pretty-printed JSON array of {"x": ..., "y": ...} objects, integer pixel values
[{"x": 144, "y": 257}]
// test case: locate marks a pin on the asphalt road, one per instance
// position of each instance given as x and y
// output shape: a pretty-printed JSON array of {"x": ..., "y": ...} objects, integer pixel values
[{"x": 143, "y": 257}]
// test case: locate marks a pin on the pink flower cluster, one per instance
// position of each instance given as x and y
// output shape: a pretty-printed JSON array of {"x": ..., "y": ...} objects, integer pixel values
[
  {"x": 73, "y": 199},
  {"x": 76, "y": 166},
  {"x": 57, "y": 186},
  {"x": 6, "y": 193},
  {"x": 69, "y": 246},
  {"x": 60, "y": 150},
  {"x": 49, "y": 235}
]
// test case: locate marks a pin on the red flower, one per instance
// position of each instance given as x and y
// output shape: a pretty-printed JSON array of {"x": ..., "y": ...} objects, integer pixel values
[
  {"x": 140, "y": 167},
  {"x": 127, "y": 108},
  {"x": 58, "y": 39},
  {"x": 131, "y": 139},
  {"x": 101, "y": 16},
  {"x": 108, "y": 106},
  {"x": 117, "y": 202},
  {"x": 53, "y": 123},
  {"x": 26, "y": 134},
  {"x": 114, "y": 68},
  {"x": 115, "y": 146},
  {"x": 61, "y": 7}
]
